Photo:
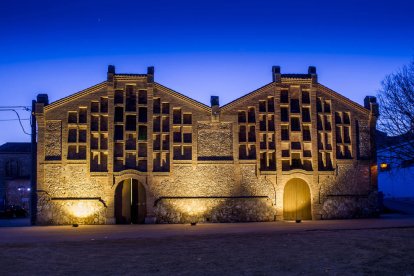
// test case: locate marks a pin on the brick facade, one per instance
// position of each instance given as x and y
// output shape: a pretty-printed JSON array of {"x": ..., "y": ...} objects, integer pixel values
[{"x": 130, "y": 149}]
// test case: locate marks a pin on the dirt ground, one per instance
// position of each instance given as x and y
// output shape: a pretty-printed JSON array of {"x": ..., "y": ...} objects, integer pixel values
[{"x": 341, "y": 252}]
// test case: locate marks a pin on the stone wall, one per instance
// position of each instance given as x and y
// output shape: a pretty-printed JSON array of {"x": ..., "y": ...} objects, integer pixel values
[
  {"x": 213, "y": 180},
  {"x": 67, "y": 211},
  {"x": 215, "y": 193},
  {"x": 187, "y": 210},
  {"x": 72, "y": 180},
  {"x": 346, "y": 207},
  {"x": 364, "y": 139},
  {"x": 200, "y": 180},
  {"x": 53, "y": 140},
  {"x": 253, "y": 185},
  {"x": 347, "y": 194},
  {"x": 351, "y": 178},
  {"x": 215, "y": 141},
  {"x": 69, "y": 195}
]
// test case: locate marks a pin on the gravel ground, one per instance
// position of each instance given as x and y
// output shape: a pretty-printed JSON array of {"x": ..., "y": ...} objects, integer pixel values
[{"x": 334, "y": 252}]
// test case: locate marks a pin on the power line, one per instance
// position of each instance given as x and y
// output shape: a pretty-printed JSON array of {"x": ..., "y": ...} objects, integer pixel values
[
  {"x": 8, "y": 120},
  {"x": 18, "y": 116},
  {"x": 27, "y": 108}
]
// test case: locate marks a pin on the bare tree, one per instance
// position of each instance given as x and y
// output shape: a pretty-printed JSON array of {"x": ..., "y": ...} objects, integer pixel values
[{"x": 396, "y": 99}]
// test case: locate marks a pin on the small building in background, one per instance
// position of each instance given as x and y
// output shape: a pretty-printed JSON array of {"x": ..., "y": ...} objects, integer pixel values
[
  {"x": 396, "y": 175},
  {"x": 15, "y": 170}
]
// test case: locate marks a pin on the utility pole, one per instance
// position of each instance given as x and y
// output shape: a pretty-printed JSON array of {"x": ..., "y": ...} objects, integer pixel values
[{"x": 33, "y": 175}]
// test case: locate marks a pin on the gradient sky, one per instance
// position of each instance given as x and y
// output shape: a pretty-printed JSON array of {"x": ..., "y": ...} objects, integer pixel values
[{"x": 198, "y": 48}]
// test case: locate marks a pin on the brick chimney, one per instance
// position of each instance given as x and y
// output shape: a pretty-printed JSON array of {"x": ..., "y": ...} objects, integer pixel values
[
  {"x": 111, "y": 73},
  {"x": 312, "y": 72},
  {"x": 215, "y": 109},
  {"x": 150, "y": 74},
  {"x": 277, "y": 77}
]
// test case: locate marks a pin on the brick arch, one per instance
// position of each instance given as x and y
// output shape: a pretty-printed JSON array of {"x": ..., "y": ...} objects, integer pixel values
[
  {"x": 299, "y": 174},
  {"x": 130, "y": 207},
  {"x": 127, "y": 174}
]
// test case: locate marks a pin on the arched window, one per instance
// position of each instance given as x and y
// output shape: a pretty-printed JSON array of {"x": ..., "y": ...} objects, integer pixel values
[{"x": 12, "y": 168}]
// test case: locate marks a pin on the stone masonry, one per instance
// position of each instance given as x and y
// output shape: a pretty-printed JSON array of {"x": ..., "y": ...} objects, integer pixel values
[{"x": 130, "y": 150}]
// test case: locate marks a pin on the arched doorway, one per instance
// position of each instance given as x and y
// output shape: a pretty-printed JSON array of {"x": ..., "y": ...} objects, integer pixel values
[
  {"x": 297, "y": 200},
  {"x": 130, "y": 202}
]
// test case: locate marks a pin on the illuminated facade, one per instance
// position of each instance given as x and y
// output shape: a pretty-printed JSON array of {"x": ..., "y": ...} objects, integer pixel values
[{"x": 130, "y": 150}]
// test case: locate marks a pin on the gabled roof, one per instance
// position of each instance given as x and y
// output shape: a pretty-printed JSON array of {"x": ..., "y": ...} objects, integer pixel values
[
  {"x": 341, "y": 98},
  {"x": 182, "y": 97},
  {"x": 321, "y": 87},
  {"x": 76, "y": 95},
  {"x": 13, "y": 147},
  {"x": 247, "y": 96},
  {"x": 92, "y": 89},
  {"x": 103, "y": 85},
  {"x": 284, "y": 77}
]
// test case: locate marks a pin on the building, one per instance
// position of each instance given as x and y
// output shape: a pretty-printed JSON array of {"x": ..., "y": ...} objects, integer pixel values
[
  {"x": 15, "y": 169},
  {"x": 396, "y": 166},
  {"x": 130, "y": 150}
]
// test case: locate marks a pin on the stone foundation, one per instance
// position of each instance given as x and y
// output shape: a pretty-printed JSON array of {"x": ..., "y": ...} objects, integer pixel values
[{"x": 187, "y": 210}]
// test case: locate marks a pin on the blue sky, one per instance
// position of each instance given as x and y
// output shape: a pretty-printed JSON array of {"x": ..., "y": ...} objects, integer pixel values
[{"x": 199, "y": 48}]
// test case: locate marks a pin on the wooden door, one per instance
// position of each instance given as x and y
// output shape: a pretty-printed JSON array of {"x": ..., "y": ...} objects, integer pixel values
[
  {"x": 123, "y": 202},
  {"x": 126, "y": 201},
  {"x": 134, "y": 201},
  {"x": 138, "y": 202},
  {"x": 296, "y": 200},
  {"x": 142, "y": 203},
  {"x": 118, "y": 204}
]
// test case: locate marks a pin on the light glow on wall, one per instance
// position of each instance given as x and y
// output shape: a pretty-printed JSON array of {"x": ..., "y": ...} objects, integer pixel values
[
  {"x": 193, "y": 208},
  {"x": 81, "y": 209},
  {"x": 190, "y": 210}
]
